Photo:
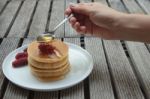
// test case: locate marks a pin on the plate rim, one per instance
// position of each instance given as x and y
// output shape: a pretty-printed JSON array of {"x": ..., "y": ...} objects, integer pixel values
[{"x": 88, "y": 72}]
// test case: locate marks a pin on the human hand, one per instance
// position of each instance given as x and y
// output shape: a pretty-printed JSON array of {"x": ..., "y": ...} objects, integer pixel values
[{"x": 94, "y": 18}]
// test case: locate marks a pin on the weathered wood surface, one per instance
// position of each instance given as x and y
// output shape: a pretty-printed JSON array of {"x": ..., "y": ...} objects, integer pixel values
[
  {"x": 117, "y": 4},
  {"x": 56, "y": 16},
  {"x": 40, "y": 18},
  {"x": 140, "y": 57},
  {"x": 132, "y": 6},
  {"x": 125, "y": 81},
  {"x": 100, "y": 83},
  {"x": 3, "y": 3},
  {"x": 85, "y": 1},
  {"x": 7, "y": 45},
  {"x": 15, "y": 92},
  {"x": 122, "y": 8},
  {"x": 46, "y": 95},
  {"x": 145, "y": 4},
  {"x": 6, "y": 19},
  {"x": 21, "y": 23},
  {"x": 12, "y": 89},
  {"x": 101, "y": 1},
  {"x": 138, "y": 51},
  {"x": 115, "y": 75}
]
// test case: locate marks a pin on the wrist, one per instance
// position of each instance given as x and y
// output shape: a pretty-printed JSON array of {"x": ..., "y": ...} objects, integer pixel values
[
  {"x": 133, "y": 27},
  {"x": 119, "y": 21},
  {"x": 124, "y": 24}
]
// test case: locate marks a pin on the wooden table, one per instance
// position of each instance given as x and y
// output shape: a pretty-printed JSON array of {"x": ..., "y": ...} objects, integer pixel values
[{"x": 121, "y": 68}]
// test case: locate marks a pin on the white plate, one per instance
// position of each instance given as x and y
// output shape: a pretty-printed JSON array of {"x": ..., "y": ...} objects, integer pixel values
[{"x": 81, "y": 66}]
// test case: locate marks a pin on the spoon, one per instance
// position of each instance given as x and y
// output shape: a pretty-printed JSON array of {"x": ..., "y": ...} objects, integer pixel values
[{"x": 48, "y": 36}]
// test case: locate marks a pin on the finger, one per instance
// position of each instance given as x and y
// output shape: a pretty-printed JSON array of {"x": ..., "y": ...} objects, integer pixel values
[
  {"x": 83, "y": 29},
  {"x": 79, "y": 31},
  {"x": 76, "y": 25},
  {"x": 80, "y": 8},
  {"x": 72, "y": 20},
  {"x": 73, "y": 25},
  {"x": 68, "y": 11}
]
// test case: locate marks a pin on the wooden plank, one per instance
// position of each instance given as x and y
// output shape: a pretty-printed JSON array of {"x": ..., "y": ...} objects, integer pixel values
[
  {"x": 2, "y": 4},
  {"x": 57, "y": 15},
  {"x": 100, "y": 83},
  {"x": 148, "y": 46},
  {"x": 132, "y": 6},
  {"x": 85, "y": 1},
  {"x": 28, "y": 40},
  {"x": 117, "y": 4},
  {"x": 21, "y": 23},
  {"x": 145, "y": 4},
  {"x": 77, "y": 91},
  {"x": 7, "y": 45},
  {"x": 126, "y": 84},
  {"x": 46, "y": 95},
  {"x": 15, "y": 92},
  {"x": 101, "y": 1},
  {"x": 7, "y": 16},
  {"x": 123, "y": 9},
  {"x": 40, "y": 18},
  {"x": 140, "y": 57},
  {"x": 69, "y": 31}
]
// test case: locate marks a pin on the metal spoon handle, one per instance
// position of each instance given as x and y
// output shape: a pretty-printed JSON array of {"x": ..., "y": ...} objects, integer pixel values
[{"x": 67, "y": 18}]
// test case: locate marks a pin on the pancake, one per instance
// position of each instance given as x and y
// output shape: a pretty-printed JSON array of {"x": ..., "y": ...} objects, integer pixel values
[
  {"x": 48, "y": 67},
  {"x": 51, "y": 78},
  {"x": 34, "y": 53},
  {"x": 44, "y": 74},
  {"x": 41, "y": 65},
  {"x": 49, "y": 72}
]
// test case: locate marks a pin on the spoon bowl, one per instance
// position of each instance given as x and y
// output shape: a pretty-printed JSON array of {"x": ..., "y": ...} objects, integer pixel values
[
  {"x": 48, "y": 36},
  {"x": 45, "y": 37}
]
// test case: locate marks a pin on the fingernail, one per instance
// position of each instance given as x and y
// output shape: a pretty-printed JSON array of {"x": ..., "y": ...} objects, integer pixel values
[{"x": 72, "y": 4}]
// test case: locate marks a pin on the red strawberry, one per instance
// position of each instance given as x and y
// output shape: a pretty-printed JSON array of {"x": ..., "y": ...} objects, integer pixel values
[
  {"x": 46, "y": 48},
  {"x": 21, "y": 55},
  {"x": 20, "y": 62}
]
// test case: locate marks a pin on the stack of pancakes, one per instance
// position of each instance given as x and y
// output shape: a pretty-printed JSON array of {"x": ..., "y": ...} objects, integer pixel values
[{"x": 49, "y": 67}]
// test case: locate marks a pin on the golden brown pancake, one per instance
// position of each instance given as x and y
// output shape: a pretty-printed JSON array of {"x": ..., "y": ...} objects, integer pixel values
[
  {"x": 50, "y": 78},
  {"x": 49, "y": 67},
  {"x": 41, "y": 65},
  {"x": 34, "y": 53},
  {"x": 49, "y": 72}
]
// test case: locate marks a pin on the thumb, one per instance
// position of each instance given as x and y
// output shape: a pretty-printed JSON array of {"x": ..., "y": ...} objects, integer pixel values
[{"x": 80, "y": 9}]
